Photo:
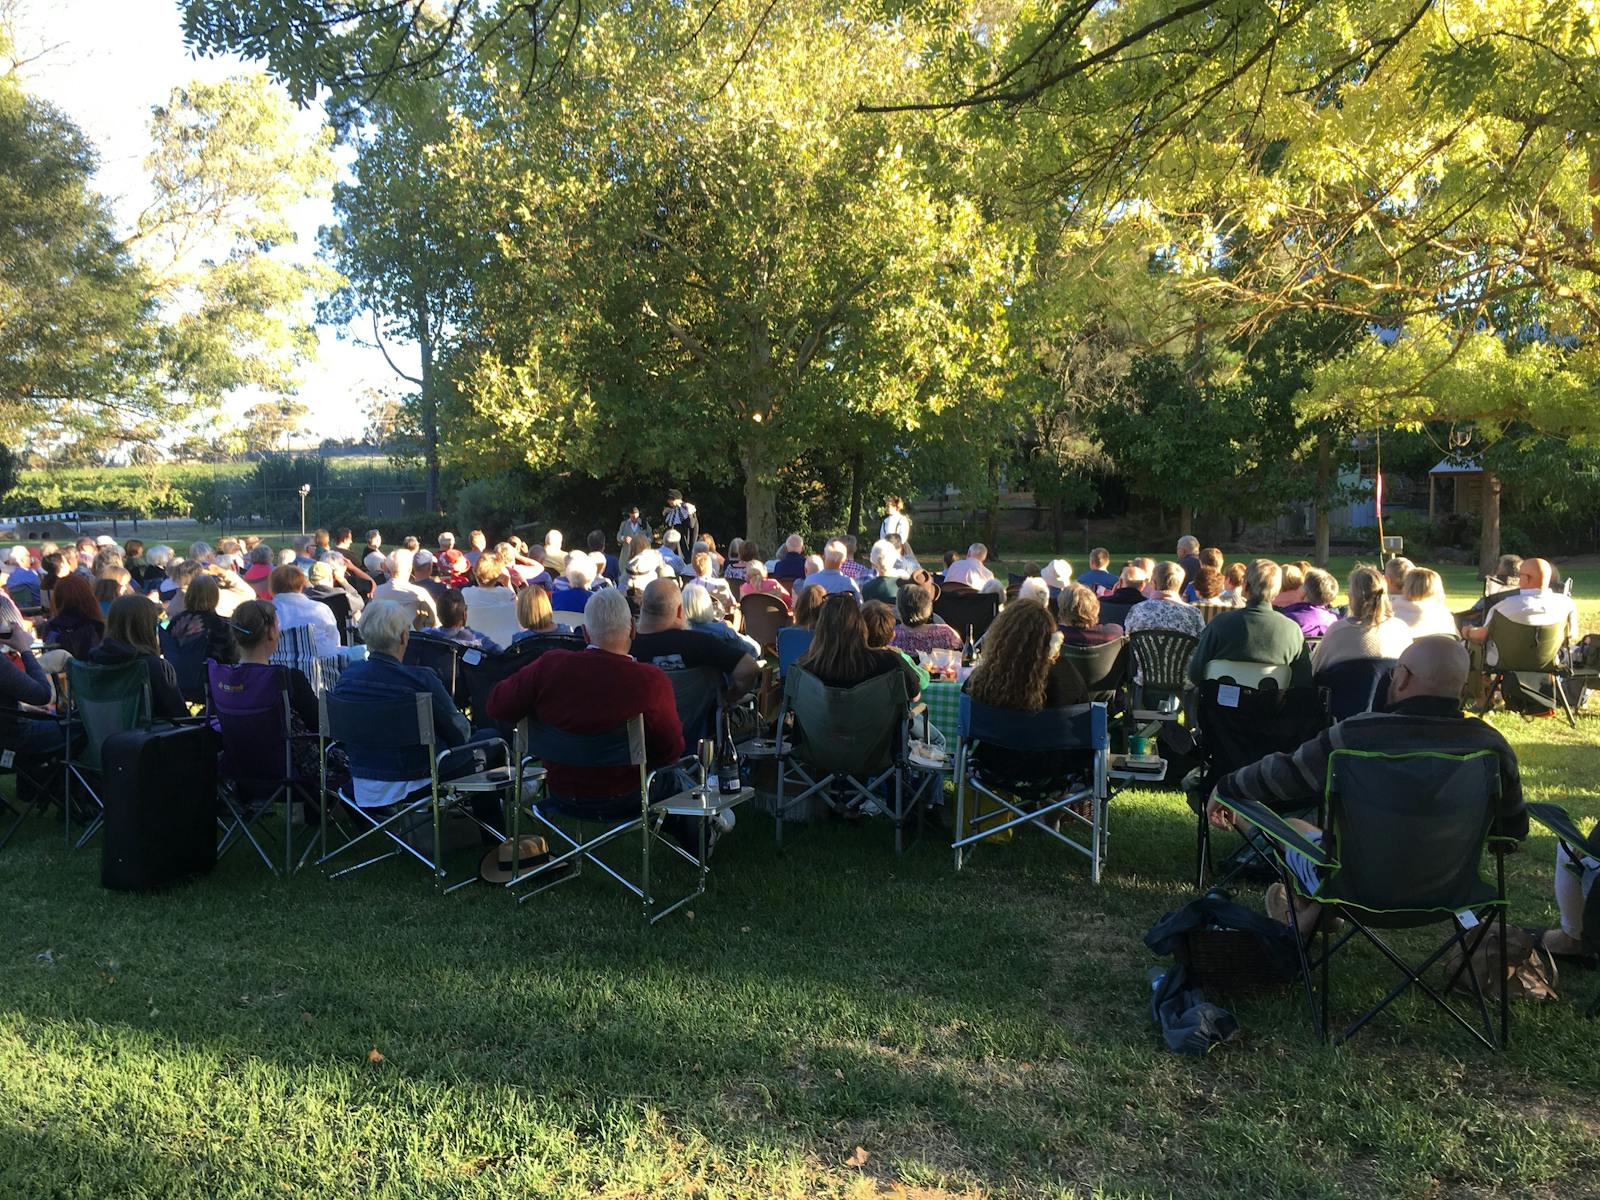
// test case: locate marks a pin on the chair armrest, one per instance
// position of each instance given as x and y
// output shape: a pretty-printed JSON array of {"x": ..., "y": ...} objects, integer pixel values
[
  {"x": 1276, "y": 828},
  {"x": 1559, "y": 822}
]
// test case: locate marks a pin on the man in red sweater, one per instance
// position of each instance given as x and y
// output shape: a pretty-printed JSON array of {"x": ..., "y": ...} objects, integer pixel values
[{"x": 595, "y": 690}]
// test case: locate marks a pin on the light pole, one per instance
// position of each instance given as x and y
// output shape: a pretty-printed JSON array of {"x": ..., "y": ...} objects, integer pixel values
[{"x": 305, "y": 490}]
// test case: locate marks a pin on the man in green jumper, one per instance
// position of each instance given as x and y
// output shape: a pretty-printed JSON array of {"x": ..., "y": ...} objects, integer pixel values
[{"x": 1256, "y": 633}]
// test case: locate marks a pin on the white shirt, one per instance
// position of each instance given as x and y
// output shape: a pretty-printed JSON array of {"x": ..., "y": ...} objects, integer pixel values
[
  {"x": 405, "y": 592},
  {"x": 492, "y": 611},
  {"x": 1346, "y": 640},
  {"x": 1428, "y": 618},
  {"x": 895, "y": 522},
  {"x": 968, "y": 571},
  {"x": 295, "y": 611},
  {"x": 831, "y": 581}
]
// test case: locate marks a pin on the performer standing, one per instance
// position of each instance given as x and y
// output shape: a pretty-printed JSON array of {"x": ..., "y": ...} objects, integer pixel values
[
  {"x": 632, "y": 526},
  {"x": 895, "y": 521},
  {"x": 679, "y": 514}
]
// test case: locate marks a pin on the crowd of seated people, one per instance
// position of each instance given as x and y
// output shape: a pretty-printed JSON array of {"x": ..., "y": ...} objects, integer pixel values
[{"x": 496, "y": 594}]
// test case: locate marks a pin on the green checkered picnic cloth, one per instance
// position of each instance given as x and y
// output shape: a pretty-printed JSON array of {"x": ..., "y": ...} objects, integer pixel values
[{"x": 944, "y": 710}]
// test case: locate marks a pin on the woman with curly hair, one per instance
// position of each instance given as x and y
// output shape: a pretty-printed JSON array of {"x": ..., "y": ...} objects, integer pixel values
[{"x": 1018, "y": 673}]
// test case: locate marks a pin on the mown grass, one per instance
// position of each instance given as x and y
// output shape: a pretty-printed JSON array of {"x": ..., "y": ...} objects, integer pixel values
[{"x": 985, "y": 1033}]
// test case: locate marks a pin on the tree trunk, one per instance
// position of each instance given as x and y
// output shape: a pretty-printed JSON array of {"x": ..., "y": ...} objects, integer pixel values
[
  {"x": 1055, "y": 526},
  {"x": 1185, "y": 519},
  {"x": 853, "y": 525},
  {"x": 760, "y": 503},
  {"x": 1489, "y": 541},
  {"x": 1319, "y": 553},
  {"x": 430, "y": 413}
]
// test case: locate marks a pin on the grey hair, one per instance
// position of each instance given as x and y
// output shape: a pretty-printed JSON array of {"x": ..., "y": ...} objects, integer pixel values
[
  {"x": 158, "y": 556},
  {"x": 385, "y": 623},
  {"x": 606, "y": 615},
  {"x": 1167, "y": 577},
  {"x": 1262, "y": 579}
]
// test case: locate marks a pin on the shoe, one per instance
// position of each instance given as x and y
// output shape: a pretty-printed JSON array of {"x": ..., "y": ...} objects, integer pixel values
[{"x": 1563, "y": 946}]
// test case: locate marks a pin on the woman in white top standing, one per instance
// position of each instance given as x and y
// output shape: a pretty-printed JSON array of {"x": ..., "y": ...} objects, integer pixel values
[
  {"x": 1422, "y": 606},
  {"x": 1369, "y": 631},
  {"x": 895, "y": 521}
]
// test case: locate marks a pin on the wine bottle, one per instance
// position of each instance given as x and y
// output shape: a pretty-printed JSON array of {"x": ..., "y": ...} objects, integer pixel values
[
  {"x": 728, "y": 781},
  {"x": 967, "y": 649}
]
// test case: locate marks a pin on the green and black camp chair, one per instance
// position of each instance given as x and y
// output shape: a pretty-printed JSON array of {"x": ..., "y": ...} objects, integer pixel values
[
  {"x": 1578, "y": 847},
  {"x": 1526, "y": 650},
  {"x": 848, "y": 748},
  {"x": 105, "y": 700},
  {"x": 1404, "y": 839}
]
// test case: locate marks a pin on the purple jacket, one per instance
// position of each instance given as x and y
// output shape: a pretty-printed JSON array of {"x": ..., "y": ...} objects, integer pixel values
[{"x": 1313, "y": 619}]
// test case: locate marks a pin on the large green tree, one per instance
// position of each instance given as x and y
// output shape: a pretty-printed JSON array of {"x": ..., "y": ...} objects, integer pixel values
[{"x": 703, "y": 260}]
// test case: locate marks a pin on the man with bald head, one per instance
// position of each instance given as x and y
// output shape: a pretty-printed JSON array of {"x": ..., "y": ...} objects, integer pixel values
[
  {"x": 1423, "y": 713},
  {"x": 1536, "y": 603},
  {"x": 663, "y": 640}
]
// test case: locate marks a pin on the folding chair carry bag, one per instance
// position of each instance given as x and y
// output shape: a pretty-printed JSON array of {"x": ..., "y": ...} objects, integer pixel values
[{"x": 160, "y": 793}]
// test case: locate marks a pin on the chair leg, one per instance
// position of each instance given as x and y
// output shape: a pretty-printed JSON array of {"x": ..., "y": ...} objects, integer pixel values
[{"x": 1566, "y": 705}]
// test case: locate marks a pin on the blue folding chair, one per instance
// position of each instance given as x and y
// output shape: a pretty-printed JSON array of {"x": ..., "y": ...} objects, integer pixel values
[
  {"x": 996, "y": 757},
  {"x": 615, "y": 816},
  {"x": 404, "y": 723},
  {"x": 188, "y": 659},
  {"x": 1355, "y": 685}
]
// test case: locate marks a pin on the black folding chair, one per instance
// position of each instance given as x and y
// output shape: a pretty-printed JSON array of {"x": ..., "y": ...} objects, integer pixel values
[
  {"x": 37, "y": 777},
  {"x": 1356, "y": 685},
  {"x": 697, "y": 692},
  {"x": 482, "y": 670},
  {"x": 1238, "y": 726},
  {"x": 442, "y": 656},
  {"x": 1578, "y": 847},
  {"x": 966, "y": 610},
  {"x": 1097, "y": 673},
  {"x": 188, "y": 659},
  {"x": 1403, "y": 840}
]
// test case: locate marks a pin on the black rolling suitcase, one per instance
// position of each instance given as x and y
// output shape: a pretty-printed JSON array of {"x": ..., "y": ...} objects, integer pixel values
[{"x": 161, "y": 807}]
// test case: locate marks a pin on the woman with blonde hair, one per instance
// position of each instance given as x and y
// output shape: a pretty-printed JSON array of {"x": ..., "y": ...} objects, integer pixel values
[
  {"x": 1422, "y": 605},
  {"x": 534, "y": 615},
  {"x": 491, "y": 602},
  {"x": 1369, "y": 631}
]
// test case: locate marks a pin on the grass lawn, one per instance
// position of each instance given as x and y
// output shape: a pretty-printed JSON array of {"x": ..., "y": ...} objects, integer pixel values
[{"x": 977, "y": 1034}]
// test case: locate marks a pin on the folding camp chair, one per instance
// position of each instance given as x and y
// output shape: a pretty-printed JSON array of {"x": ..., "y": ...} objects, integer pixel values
[
  {"x": 1527, "y": 650},
  {"x": 764, "y": 616},
  {"x": 24, "y": 595},
  {"x": 188, "y": 659},
  {"x": 1354, "y": 686},
  {"x": 618, "y": 816},
  {"x": 405, "y": 723},
  {"x": 339, "y": 604},
  {"x": 482, "y": 670},
  {"x": 249, "y": 709},
  {"x": 1235, "y": 727},
  {"x": 696, "y": 692},
  {"x": 1160, "y": 675},
  {"x": 1098, "y": 673},
  {"x": 1404, "y": 836},
  {"x": 847, "y": 747},
  {"x": 1081, "y": 731},
  {"x": 1578, "y": 848},
  {"x": 105, "y": 700},
  {"x": 969, "y": 612},
  {"x": 1262, "y": 676},
  {"x": 442, "y": 656},
  {"x": 792, "y": 641},
  {"x": 35, "y": 776},
  {"x": 297, "y": 648}
]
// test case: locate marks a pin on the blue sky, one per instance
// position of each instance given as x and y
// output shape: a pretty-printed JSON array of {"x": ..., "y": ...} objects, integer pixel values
[{"x": 106, "y": 63}]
